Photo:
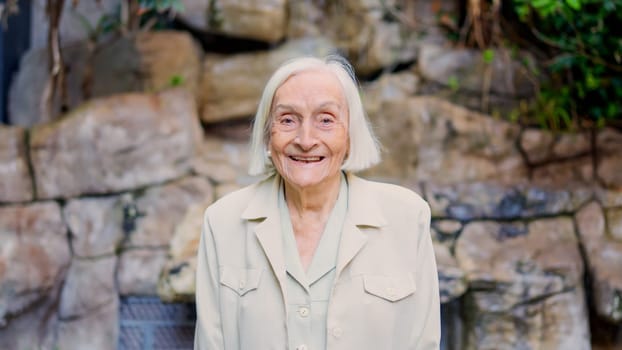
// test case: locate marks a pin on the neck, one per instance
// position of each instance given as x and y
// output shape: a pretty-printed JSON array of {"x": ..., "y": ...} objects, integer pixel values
[{"x": 315, "y": 200}]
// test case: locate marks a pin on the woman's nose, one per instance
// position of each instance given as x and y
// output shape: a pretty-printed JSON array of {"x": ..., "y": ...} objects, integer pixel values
[{"x": 305, "y": 138}]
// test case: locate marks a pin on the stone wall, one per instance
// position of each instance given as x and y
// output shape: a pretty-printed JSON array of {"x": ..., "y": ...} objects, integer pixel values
[{"x": 106, "y": 201}]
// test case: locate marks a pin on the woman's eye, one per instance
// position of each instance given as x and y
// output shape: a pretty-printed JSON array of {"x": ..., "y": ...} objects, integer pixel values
[
  {"x": 326, "y": 119},
  {"x": 286, "y": 120}
]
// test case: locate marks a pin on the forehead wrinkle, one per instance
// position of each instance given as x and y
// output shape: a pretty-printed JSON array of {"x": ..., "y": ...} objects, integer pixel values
[
  {"x": 286, "y": 107},
  {"x": 294, "y": 107}
]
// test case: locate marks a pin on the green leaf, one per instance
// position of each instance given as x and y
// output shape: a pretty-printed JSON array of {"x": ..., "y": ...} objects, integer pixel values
[
  {"x": 563, "y": 61},
  {"x": 565, "y": 117},
  {"x": 453, "y": 83},
  {"x": 541, "y": 3},
  {"x": 522, "y": 12},
  {"x": 591, "y": 82},
  {"x": 488, "y": 55},
  {"x": 574, "y": 4},
  {"x": 178, "y": 6},
  {"x": 176, "y": 80},
  {"x": 600, "y": 123}
]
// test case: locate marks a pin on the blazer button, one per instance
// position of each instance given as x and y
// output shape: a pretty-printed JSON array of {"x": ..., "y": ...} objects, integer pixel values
[
  {"x": 241, "y": 285},
  {"x": 303, "y": 311}
]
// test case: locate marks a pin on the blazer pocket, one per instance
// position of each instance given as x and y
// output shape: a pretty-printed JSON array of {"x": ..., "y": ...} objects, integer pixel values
[
  {"x": 240, "y": 280},
  {"x": 391, "y": 288}
]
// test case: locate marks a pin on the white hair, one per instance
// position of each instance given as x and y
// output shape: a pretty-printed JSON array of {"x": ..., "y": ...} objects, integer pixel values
[{"x": 364, "y": 150}]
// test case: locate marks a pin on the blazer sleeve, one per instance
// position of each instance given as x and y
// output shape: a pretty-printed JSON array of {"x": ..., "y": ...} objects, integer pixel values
[
  {"x": 429, "y": 336},
  {"x": 208, "y": 332}
]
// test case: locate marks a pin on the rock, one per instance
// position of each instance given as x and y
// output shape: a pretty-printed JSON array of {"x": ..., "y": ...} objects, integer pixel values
[
  {"x": 609, "y": 141},
  {"x": 115, "y": 144},
  {"x": 370, "y": 33},
  {"x": 224, "y": 189},
  {"x": 609, "y": 171},
  {"x": 537, "y": 145},
  {"x": 259, "y": 20},
  {"x": 223, "y": 161},
  {"x": 609, "y": 161},
  {"x": 171, "y": 59},
  {"x": 98, "y": 330},
  {"x": 428, "y": 139},
  {"x": 399, "y": 131},
  {"x": 469, "y": 70},
  {"x": 96, "y": 225},
  {"x": 369, "y": 42},
  {"x": 89, "y": 286},
  {"x": 471, "y": 146},
  {"x": 543, "y": 146},
  {"x": 178, "y": 282},
  {"x": 568, "y": 173},
  {"x": 604, "y": 259},
  {"x": 231, "y": 85},
  {"x": 34, "y": 255},
  {"x": 614, "y": 223},
  {"x": 16, "y": 184},
  {"x": 452, "y": 283},
  {"x": 178, "y": 275},
  {"x": 147, "y": 61},
  {"x": 139, "y": 270},
  {"x": 571, "y": 145},
  {"x": 161, "y": 208},
  {"x": 304, "y": 18},
  {"x": 609, "y": 198},
  {"x": 447, "y": 227},
  {"x": 310, "y": 18},
  {"x": 33, "y": 76},
  {"x": 35, "y": 329},
  {"x": 384, "y": 45},
  {"x": 490, "y": 200},
  {"x": 525, "y": 273},
  {"x": 556, "y": 322},
  {"x": 103, "y": 226},
  {"x": 389, "y": 87},
  {"x": 163, "y": 59},
  {"x": 75, "y": 17}
]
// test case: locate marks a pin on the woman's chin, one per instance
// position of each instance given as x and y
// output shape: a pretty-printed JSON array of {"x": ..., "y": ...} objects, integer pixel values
[{"x": 306, "y": 179}]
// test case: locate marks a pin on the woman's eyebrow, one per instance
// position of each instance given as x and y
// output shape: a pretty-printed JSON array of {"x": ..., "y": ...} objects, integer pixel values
[
  {"x": 329, "y": 104},
  {"x": 284, "y": 107}
]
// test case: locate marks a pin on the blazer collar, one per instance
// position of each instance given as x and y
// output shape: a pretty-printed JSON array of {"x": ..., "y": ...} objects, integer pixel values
[
  {"x": 363, "y": 210},
  {"x": 264, "y": 203}
]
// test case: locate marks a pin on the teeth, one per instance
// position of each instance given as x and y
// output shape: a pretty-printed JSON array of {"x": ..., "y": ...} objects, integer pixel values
[{"x": 307, "y": 159}]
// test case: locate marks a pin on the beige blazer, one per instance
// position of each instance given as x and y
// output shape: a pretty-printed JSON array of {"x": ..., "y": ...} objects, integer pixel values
[{"x": 385, "y": 294}]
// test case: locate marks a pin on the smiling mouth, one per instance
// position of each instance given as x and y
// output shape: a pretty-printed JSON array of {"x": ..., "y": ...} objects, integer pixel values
[{"x": 306, "y": 159}]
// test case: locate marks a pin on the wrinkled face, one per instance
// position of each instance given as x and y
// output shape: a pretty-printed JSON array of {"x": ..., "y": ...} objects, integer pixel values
[{"x": 309, "y": 129}]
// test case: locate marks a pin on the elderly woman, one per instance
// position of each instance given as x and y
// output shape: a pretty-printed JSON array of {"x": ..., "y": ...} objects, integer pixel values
[{"x": 314, "y": 257}]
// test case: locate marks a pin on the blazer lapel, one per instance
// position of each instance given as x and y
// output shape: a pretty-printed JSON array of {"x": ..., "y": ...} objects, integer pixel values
[
  {"x": 363, "y": 211},
  {"x": 263, "y": 220},
  {"x": 352, "y": 241}
]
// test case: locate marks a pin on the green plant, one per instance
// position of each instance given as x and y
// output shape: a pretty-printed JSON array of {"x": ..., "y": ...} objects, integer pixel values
[
  {"x": 488, "y": 55},
  {"x": 151, "y": 11},
  {"x": 453, "y": 83},
  {"x": 584, "y": 43},
  {"x": 132, "y": 15},
  {"x": 176, "y": 80}
]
